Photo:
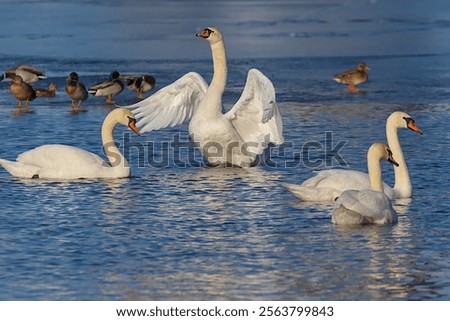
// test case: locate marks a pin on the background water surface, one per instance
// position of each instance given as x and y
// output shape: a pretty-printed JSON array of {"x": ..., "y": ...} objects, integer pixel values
[{"x": 175, "y": 232}]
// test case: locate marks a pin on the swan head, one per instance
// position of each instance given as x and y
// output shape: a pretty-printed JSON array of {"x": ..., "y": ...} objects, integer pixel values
[
  {"x": 211, "y": 34},
  {"x": 381, "y": 151},
  {"x": 125, "y": 117},
  {"x": 400, "y": 119}
]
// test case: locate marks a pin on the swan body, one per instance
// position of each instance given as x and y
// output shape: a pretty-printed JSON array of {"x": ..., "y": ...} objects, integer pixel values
[
  {"x": 108, "y": 88},
  {"x": 328, "y": 184},
  {"x": 27, "y": 73},
  {"x": 353, "y": 77},
  {"x": 67, "y": 162},
  {"x": 237, "y": 137},
  {"x": 76, "y": 90},
  {"x": 369, "y": 206}
]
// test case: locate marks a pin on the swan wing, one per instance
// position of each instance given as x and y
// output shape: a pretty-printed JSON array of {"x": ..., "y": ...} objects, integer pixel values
[
  {"x": 256, "y": 116},
  {"x": 171, "y": 105},
  {"x": 328, "y": 184},
  {"x": 371, "y": 204},
  {"x": 62, "y": 161},
  {"x": 339, "y": 179},
  {"x": 56, "y": 155}
]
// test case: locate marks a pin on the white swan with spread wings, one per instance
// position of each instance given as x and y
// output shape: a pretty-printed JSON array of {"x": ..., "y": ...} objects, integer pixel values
[{"x": 236, "y": 137}]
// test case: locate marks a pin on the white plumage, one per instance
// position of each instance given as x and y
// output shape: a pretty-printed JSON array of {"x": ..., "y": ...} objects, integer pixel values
[
  {"x": 68, "y": 162},
  {"x": 370, "y": 206},
  {"x": 238, "y": 136},
  {"x": 326, "y": 185}
]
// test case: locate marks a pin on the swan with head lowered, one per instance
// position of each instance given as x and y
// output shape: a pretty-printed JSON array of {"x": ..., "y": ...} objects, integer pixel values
[
  {"x": 369, "y": 206},
  {"x": 329, "y": 184},
  {"x": 67, "y": 162},
  {"x": 234, "y": 138}
]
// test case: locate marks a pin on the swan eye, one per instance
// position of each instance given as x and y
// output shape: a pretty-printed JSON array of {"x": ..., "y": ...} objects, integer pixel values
[{"x": 408, "y": 120}]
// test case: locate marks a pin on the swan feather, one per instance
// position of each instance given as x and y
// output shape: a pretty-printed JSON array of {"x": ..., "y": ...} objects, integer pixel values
[{"x": 171, "y": 105}]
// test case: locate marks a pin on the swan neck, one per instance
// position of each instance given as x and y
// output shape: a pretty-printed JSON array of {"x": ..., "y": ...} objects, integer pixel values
[
  {"x": 374, "y": 168},
  {"x": 401, "y": 174},
  {"x": 219, "y": 57},
  {"x": 115, "y": 157}
]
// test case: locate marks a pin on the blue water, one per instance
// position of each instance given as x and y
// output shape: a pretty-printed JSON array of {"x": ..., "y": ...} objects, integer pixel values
[{"x": 178, "y": 230}]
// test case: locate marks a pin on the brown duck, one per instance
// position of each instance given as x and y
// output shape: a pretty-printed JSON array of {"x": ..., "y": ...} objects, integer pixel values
[
  {"x": 353, "y": 77},
  {"x": 76, "y": 90},
  {"x": 22, "y": 91},
  {"x": 50, "y": 91}
]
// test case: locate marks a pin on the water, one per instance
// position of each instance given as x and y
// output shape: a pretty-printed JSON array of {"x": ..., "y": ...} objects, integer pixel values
[{"x": 179, "y": 230}]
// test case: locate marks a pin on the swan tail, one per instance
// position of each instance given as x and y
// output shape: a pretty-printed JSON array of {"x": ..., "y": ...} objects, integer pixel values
[
  {"x": 312, "y": 194},
  {"x": 20, "y": 170}
]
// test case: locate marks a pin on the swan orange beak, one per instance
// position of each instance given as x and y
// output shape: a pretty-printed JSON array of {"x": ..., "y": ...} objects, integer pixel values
[
  {"x": 133, "y": 127},
  {"x": 204, "y": 34},
  {"x": 411, "y": 125}
]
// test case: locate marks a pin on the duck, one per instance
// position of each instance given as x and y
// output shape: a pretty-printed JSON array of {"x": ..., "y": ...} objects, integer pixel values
[
  {"x": 238, "y": 137},
  {"x": 108, "y": 88},
  {"x": 353, "y": 77},
  {"x": 50, "y": 91},
  {"x": 76, "y": 90},
  {"x": 27, "y": 73},
  {"x": 140, "y": 84},
  {"x": 57, "y": 161},
  {"x": 369, "y": 206},
  {"x": 22, "y": 91},
  {"x": 328, "y": 184}
]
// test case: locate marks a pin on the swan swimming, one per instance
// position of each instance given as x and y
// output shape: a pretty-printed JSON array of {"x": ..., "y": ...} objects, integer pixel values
[
  {"x": 67, "y": 162},
  {"x": 236, "y": 137},
  {"x": 369, "y": 206},
  {"x": 329, "y": 184}
]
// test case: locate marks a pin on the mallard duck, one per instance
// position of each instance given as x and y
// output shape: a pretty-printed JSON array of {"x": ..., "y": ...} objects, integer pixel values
[
  {"x": 108, "y": 88},
  {"x": 353, "y": 77},
  {"x": 140, "y": 84},
  {"x": 22, "y": 91},
  {"x": 76, "y": 90},
  {"x": 27, "y": 73},
  {"x": 49, "y": 92}
]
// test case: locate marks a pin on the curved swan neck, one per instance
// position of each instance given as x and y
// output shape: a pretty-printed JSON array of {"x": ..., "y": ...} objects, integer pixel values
[
  {"x": 402, "y": 181},
  {"x": 115, "y": 157},
  {"x": 374, "y": 168}
]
